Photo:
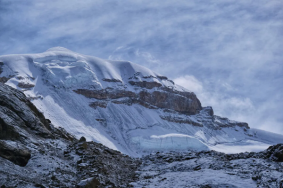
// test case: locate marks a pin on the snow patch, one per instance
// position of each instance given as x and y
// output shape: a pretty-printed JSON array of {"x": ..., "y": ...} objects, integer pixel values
[{"x": 155, "y": 139}]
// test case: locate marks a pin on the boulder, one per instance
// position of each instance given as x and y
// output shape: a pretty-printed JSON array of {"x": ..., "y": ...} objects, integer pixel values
[
  {"x": 275, "y": 152},
  {"x": 14, "y": 152},
  {"x": 82, "y": 139},
  {"x": 89, "y": 183}
]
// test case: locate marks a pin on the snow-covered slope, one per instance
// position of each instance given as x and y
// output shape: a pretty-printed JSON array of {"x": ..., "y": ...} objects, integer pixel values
[{"x": 122, "y": 105}]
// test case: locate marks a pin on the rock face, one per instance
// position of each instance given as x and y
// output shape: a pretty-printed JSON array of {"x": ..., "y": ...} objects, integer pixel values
[
  {"x": 21, "y": 122},
  {"x": 187, "y": 103},
  {"x": 25, "y": 85},
  {"x": 182, "y": 102},
  {"x": 19, "y": 118},
  {"x": 145, "y": 84},
  {"x": 275, "y": 152},
  {"x": 4, "y": 79},
  {"x": 225, "y": 122},
  {"x": 181, "y": 120},
  {"x": 111, "y": 80},
  {"x": 98, "y": 104},
  {"x": 17, "y": 112}
]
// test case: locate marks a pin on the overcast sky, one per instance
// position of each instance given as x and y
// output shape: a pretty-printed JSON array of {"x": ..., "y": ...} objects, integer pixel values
[{"x": 229, "y": 52}]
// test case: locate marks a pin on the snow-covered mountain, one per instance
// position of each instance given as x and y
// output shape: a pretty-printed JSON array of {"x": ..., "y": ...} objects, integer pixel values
[
  {"x": 33, "y": 153},
  {"x": 123, "y": 105}
]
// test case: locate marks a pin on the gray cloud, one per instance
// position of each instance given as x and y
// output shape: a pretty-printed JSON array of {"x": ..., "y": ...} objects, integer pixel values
[{"x": 233, "y": 48}]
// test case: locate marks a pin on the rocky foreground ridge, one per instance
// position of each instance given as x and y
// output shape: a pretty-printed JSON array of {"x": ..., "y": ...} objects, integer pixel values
[
  {"x": 35, "y": 154},
  {"x": 211, "y": 169}
]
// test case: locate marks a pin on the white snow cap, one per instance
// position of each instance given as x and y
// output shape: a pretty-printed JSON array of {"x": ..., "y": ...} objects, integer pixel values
[{"x": 58, "y": 48}]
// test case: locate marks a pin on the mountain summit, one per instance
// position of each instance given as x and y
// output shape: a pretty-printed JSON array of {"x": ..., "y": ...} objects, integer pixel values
[{"x": 123, "y": 105}]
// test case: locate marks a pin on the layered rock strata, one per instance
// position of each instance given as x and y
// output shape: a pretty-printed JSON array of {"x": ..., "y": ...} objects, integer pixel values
[{"x": 182, "y": 102}]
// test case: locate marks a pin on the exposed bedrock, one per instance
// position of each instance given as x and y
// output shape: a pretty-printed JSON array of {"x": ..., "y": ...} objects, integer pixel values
[
  {"x": 25, "y": 85},
  {"x": 21, "y": 122},
  {"x": 181, "y": 120},
  {"x": 187, "y": 103},
  {"x": 275, "y": 152},
  {"x": 183, "y": 102},
  {"x": 101, "y": 104},
  {"x": 4, "y": 79},
  {"x": 105, "y": 93},
  {"x": 111, "y": 80},
  {"x": 14, "y": 152},
  {"x": 225, "y": 122},
  {"x": 144, "y": 84},
  {"x": 16, "y": 111},
  {"x": 208, "y": 110}
]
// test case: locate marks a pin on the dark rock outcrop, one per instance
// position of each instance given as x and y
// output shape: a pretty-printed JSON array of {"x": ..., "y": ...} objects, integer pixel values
[
  {"x": 111, "y": 80},
  {"x": 225, "y": 122},
  {"x": 181, "y": 120},
  {"x": 25, "y": 85},
  {"x": 275, "y": 152},
  {"x": 144, "y": 84},
  {"x": 3, "y": 79},
  {"x": 82, "y": 139},
  {"x": 17, "y": 112},
  {"x": 162, "y": 77},
  {"x": 99, "y": 166},
  {"x": 208, "y": 110},
  {"x": 19, "y": 119},
  {"x": 14, "y": 152},
  {"x": 7, "y": 131},
  {"x": 1, "y": 65},
  {"x": 105, "y": 93},
  {"x": 183, "y": 102},
  {"x": 96, "y": 104}
]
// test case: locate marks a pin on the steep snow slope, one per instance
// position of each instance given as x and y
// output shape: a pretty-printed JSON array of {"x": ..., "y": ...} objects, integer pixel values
[{"x": 122, "y": 105}]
